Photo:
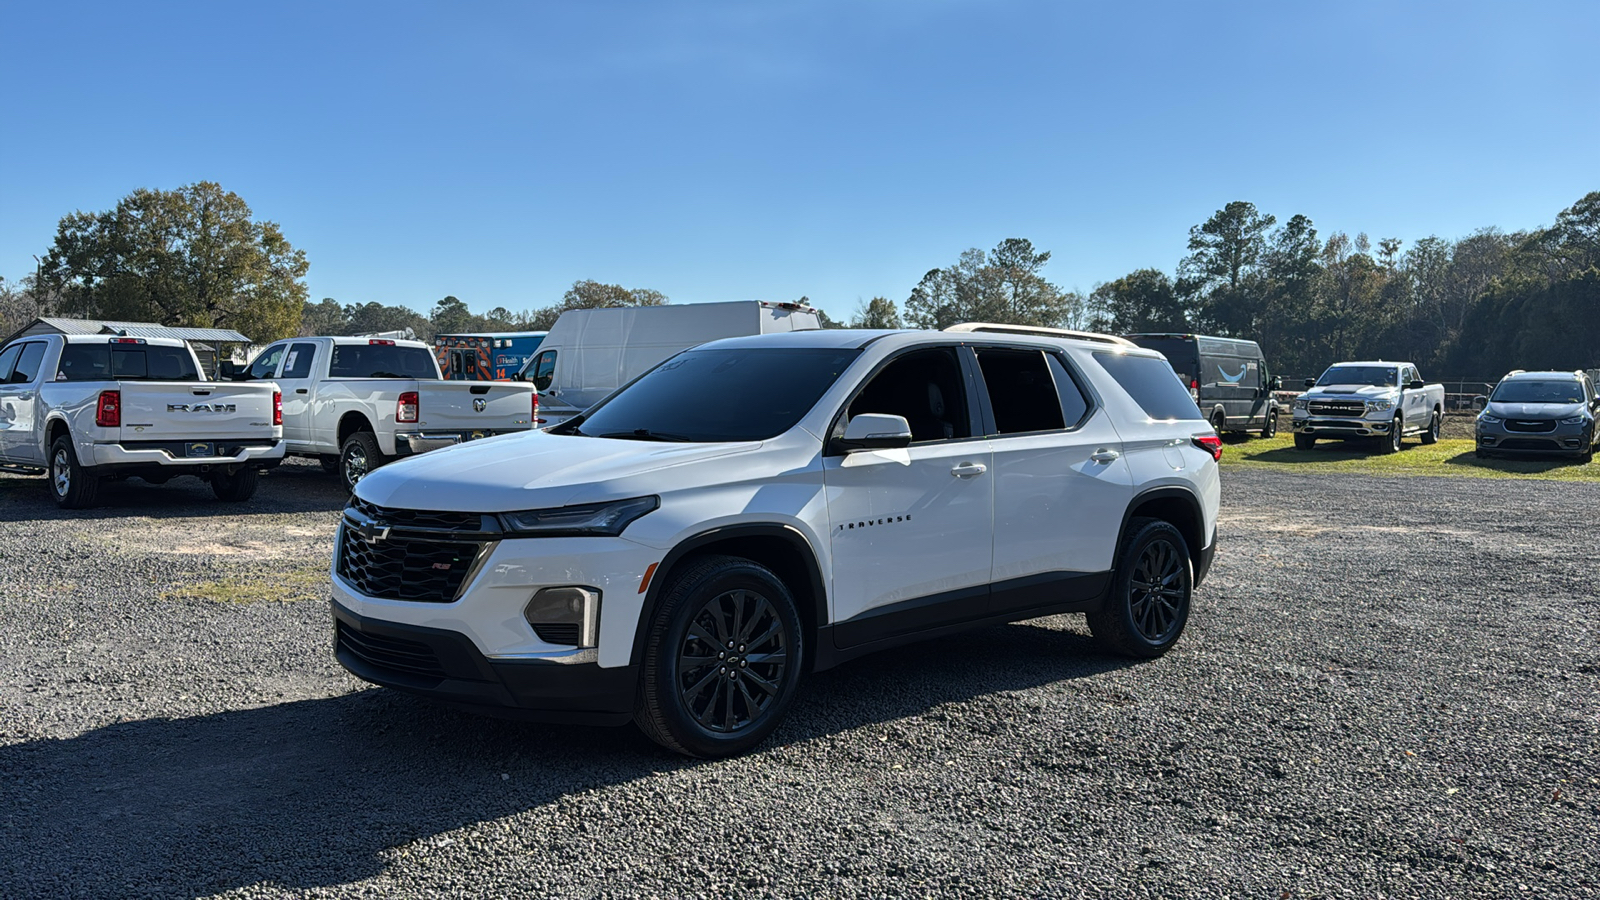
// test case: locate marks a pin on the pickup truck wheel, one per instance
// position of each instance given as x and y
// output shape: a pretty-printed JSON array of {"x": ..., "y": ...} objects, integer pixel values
[
  {"x": 721, "y": 660},
  {"x": 330, "y": 463},
  {"x": 1304, "y": 442},
  {"x": 1148, "y": 605},
  {"x": 73, "y": 486},
  {"x": 1393, "y": 442},
  {"x": 237, "y": 487},
  {"x": 358, "y": 457},
  {"x": 1270, "y": 430},
  {"x": 1431, "y": 436}
]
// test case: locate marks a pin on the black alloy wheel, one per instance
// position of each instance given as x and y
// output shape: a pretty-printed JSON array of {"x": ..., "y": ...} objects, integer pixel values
[
  {"x": 722, "y": 658},
  {"x": 732, "y": 661},
  {"x": 1151, "y": 590}
]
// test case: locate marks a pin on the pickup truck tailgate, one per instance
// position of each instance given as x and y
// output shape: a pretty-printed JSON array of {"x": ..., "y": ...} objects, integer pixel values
[
  {"x": 189, "y": 410},
  {"x": 471, "y": 405}
]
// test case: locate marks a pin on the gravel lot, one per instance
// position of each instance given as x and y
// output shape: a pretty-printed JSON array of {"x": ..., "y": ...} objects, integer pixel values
[{"x": 1399, "y": 700}]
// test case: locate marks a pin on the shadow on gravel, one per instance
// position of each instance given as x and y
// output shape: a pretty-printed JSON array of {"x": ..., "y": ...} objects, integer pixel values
[
  {"x": 1521, "y": 464},
  {"x": 320, "y": 793},
  {"x": 1332, "y": 451},
  {"x": 287, "y": 489}
]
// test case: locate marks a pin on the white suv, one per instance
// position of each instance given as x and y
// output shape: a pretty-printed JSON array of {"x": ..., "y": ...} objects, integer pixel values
[{"x": 760, "y": 507}]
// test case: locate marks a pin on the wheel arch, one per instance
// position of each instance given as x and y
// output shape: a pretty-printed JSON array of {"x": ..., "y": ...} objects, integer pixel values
[
  {"x": 781, "y": 548},
  {"x": 1179, "y": 506},
  {"x": 352, "y": 422}
]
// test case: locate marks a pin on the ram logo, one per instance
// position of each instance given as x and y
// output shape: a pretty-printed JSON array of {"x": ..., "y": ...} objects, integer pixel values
[{"x": 203, "y": 407}]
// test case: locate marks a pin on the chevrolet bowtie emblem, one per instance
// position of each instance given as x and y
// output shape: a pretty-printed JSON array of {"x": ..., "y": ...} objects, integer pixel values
[{"x": 373, "y": 534}]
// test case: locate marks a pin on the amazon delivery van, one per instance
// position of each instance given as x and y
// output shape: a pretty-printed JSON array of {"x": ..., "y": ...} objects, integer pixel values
[
  {"x": 591, "y": 352},
  {"x": 1228, "y": 378}
]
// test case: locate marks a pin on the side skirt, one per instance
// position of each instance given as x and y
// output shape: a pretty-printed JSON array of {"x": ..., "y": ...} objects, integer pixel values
[{"x": 952, "y": 612}]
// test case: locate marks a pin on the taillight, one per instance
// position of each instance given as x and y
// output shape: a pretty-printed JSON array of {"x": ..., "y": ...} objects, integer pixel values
[
  {"x": 1211, "y": 444},
  {"x": 277, "y": 407},
  {"x": 535, "y": 416},
  {"x": 406, "y": 409},
  {"x": 378, "y": 343},
  {"x": 108, "y": 412},
  {"x": 1194, "y": 389}
]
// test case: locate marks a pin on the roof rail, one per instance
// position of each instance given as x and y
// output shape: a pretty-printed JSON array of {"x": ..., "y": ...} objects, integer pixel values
[{"x": 1039, "y": 331}]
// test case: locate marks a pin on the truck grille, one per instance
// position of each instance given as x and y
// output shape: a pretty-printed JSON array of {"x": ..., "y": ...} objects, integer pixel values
[
  {"x": 1531, "y": 426},
  {"x": 417, "y": 555},
  {"x": 394, "y": 654},
  {"x": 1337, "y": 407}
]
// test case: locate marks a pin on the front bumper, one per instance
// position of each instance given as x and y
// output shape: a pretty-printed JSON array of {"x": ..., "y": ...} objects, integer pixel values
[
  {"x": 1565, "y": 439},
  {"x": 1342, "y": 426},
  {"x": 444, "y": 665},
  {"x": 171, "y": 453}
]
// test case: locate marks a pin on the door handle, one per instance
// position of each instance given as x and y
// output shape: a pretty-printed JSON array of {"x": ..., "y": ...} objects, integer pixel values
[
  {"x": 968, "y": 469},
  {"x": 1105, "y": 455},
  {"x": 299, "y": 390}
]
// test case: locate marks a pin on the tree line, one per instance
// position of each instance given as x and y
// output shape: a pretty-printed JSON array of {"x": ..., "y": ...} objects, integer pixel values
[{"x": 1473, "y": 306}]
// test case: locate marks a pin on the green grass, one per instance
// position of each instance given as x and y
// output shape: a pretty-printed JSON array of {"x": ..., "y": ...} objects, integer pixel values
[
  {"x": 1448, "y": 457},
  {"x": 279, "y": 587}
]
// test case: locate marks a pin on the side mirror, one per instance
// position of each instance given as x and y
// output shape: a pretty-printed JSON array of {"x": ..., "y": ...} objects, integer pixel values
[
  {"x": 228, "y": 370},
  {"x": 1414, "y": 385},
  {"x": 875, "y": 431},
  {"x": 1311, "y": 382},
  {"x": 1276, "y": 384}
]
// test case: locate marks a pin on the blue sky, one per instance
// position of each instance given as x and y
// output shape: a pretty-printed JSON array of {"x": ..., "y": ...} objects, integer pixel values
[{"x": 718, "y": 151}]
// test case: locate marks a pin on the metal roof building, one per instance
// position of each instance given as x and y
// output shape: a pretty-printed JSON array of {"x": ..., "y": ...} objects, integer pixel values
[{"x": 50, "y": 325}]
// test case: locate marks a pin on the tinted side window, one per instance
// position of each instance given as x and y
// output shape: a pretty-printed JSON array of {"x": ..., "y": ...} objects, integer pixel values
[
  {"x": 28, "y": 363},
  {"x": 267, "y": 363},
  {"x": 924, "y": 387},
  {"x": 543, "y": 370},
  {"x": 1074, "y": 405},
  {"x": 1150, "y": 382},
  {"x": 298, "y": 363},
  {"x": 8, "y": 359},
  {"x": 1021, "y": 390}
]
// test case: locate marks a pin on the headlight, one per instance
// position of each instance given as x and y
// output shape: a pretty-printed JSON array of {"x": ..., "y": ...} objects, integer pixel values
[
  {"x": 1379, "y": 405},
  {"x": 594, "y": 519},
  {"x": 1487, "y": 419},
  {"x": 1300, "y": 403},
  {"x": 1576, "y": 420}
]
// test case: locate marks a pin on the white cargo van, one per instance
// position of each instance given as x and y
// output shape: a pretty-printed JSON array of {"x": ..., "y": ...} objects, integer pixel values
[{"x": 591, "y": 352}]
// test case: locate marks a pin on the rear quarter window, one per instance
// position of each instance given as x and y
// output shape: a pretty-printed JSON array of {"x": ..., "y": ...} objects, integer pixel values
[{"x": 1151, "y": 383}]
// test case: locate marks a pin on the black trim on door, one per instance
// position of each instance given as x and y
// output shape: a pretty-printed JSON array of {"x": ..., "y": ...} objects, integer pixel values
[{"x": 1028, "y": 597}]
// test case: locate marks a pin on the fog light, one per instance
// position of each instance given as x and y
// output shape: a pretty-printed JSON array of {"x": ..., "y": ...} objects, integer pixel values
[{"x": 569, "y": 616}]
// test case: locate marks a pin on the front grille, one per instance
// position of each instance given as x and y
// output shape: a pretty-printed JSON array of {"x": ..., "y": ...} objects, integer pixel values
[
  {"x": 423, "y": 518},
  {"x": 394, "y": 654},
  {"x": 1531, "y": 426},
  {"x": 1527, "y": 444},
  {"x": 1337, "y": 407},
  {"x": 564, "y": 633},
  {"x": 397, "y": 566}
]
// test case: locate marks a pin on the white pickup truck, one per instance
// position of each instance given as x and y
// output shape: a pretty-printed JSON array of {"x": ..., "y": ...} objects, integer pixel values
[
  {"x": 1383, "y": 400},
  {"x": 357, "y": 403},
  {"x": 81, "y": 408}
]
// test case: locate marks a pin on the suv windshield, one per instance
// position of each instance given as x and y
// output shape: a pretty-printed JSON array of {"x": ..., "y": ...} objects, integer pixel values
[
  {"x": 125, "y": 362},
  {"x": 1563, "y": 392},
  {"x": 1377, "y": 376},
  {"x": 381, "y": 361},
  {"x": 744, "y": 394}
]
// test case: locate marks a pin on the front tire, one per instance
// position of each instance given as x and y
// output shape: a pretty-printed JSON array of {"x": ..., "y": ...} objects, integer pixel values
[
  {"x": 1396, "y": 437},
  {"x": 358, "y": 457},
  {"x": 1150, "y": 592},
  {"x": 237, "y": 487},
  {"x": 1270, "y": 430},
  {"x": 74, "y": 486},
  {"x": 722, "y": 659}
]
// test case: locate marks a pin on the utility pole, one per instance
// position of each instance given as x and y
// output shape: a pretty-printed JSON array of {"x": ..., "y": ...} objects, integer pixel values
[{"x": 38, "y": 286}]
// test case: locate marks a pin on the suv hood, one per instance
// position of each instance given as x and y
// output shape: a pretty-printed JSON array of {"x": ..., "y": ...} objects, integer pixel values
[
  {"x": 529, "y": 470},
  {"x": 1362, "y": 391},
  {"x": 1535, "y": 412}
]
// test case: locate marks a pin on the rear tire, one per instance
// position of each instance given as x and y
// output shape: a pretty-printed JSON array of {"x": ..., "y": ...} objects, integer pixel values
[
  {"x": 1431, "y": 436},
  {"x": 237, "y": 487},
  {"x": 330, "y": 463},
  {"x": 1304, "y": 442},
  {"x": 74, "y": 486},
  {"x": 358, "y": 458},
  {"x": 722, "y": 659},
  {"x": 1148, "y": 606},
  {"x": 1219, "y": 423}
]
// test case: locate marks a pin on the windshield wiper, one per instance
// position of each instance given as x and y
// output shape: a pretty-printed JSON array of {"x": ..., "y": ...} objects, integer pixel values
[{"x": 645, "y": 434}]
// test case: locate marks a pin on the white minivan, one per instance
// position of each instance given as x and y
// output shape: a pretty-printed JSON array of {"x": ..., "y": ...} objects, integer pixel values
[{"x": 589, "y": 353}]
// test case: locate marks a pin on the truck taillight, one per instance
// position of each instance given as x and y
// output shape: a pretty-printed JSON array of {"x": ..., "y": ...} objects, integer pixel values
[
  {"x": 534, "y": 418},
  {"x": 406, "y": 409},
  {"x": 277, "y": 407},
  {"x": 108, "y": 411},
  {"x": 1194, "y": 389},
  {"x": 1211, "y": 444}
]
